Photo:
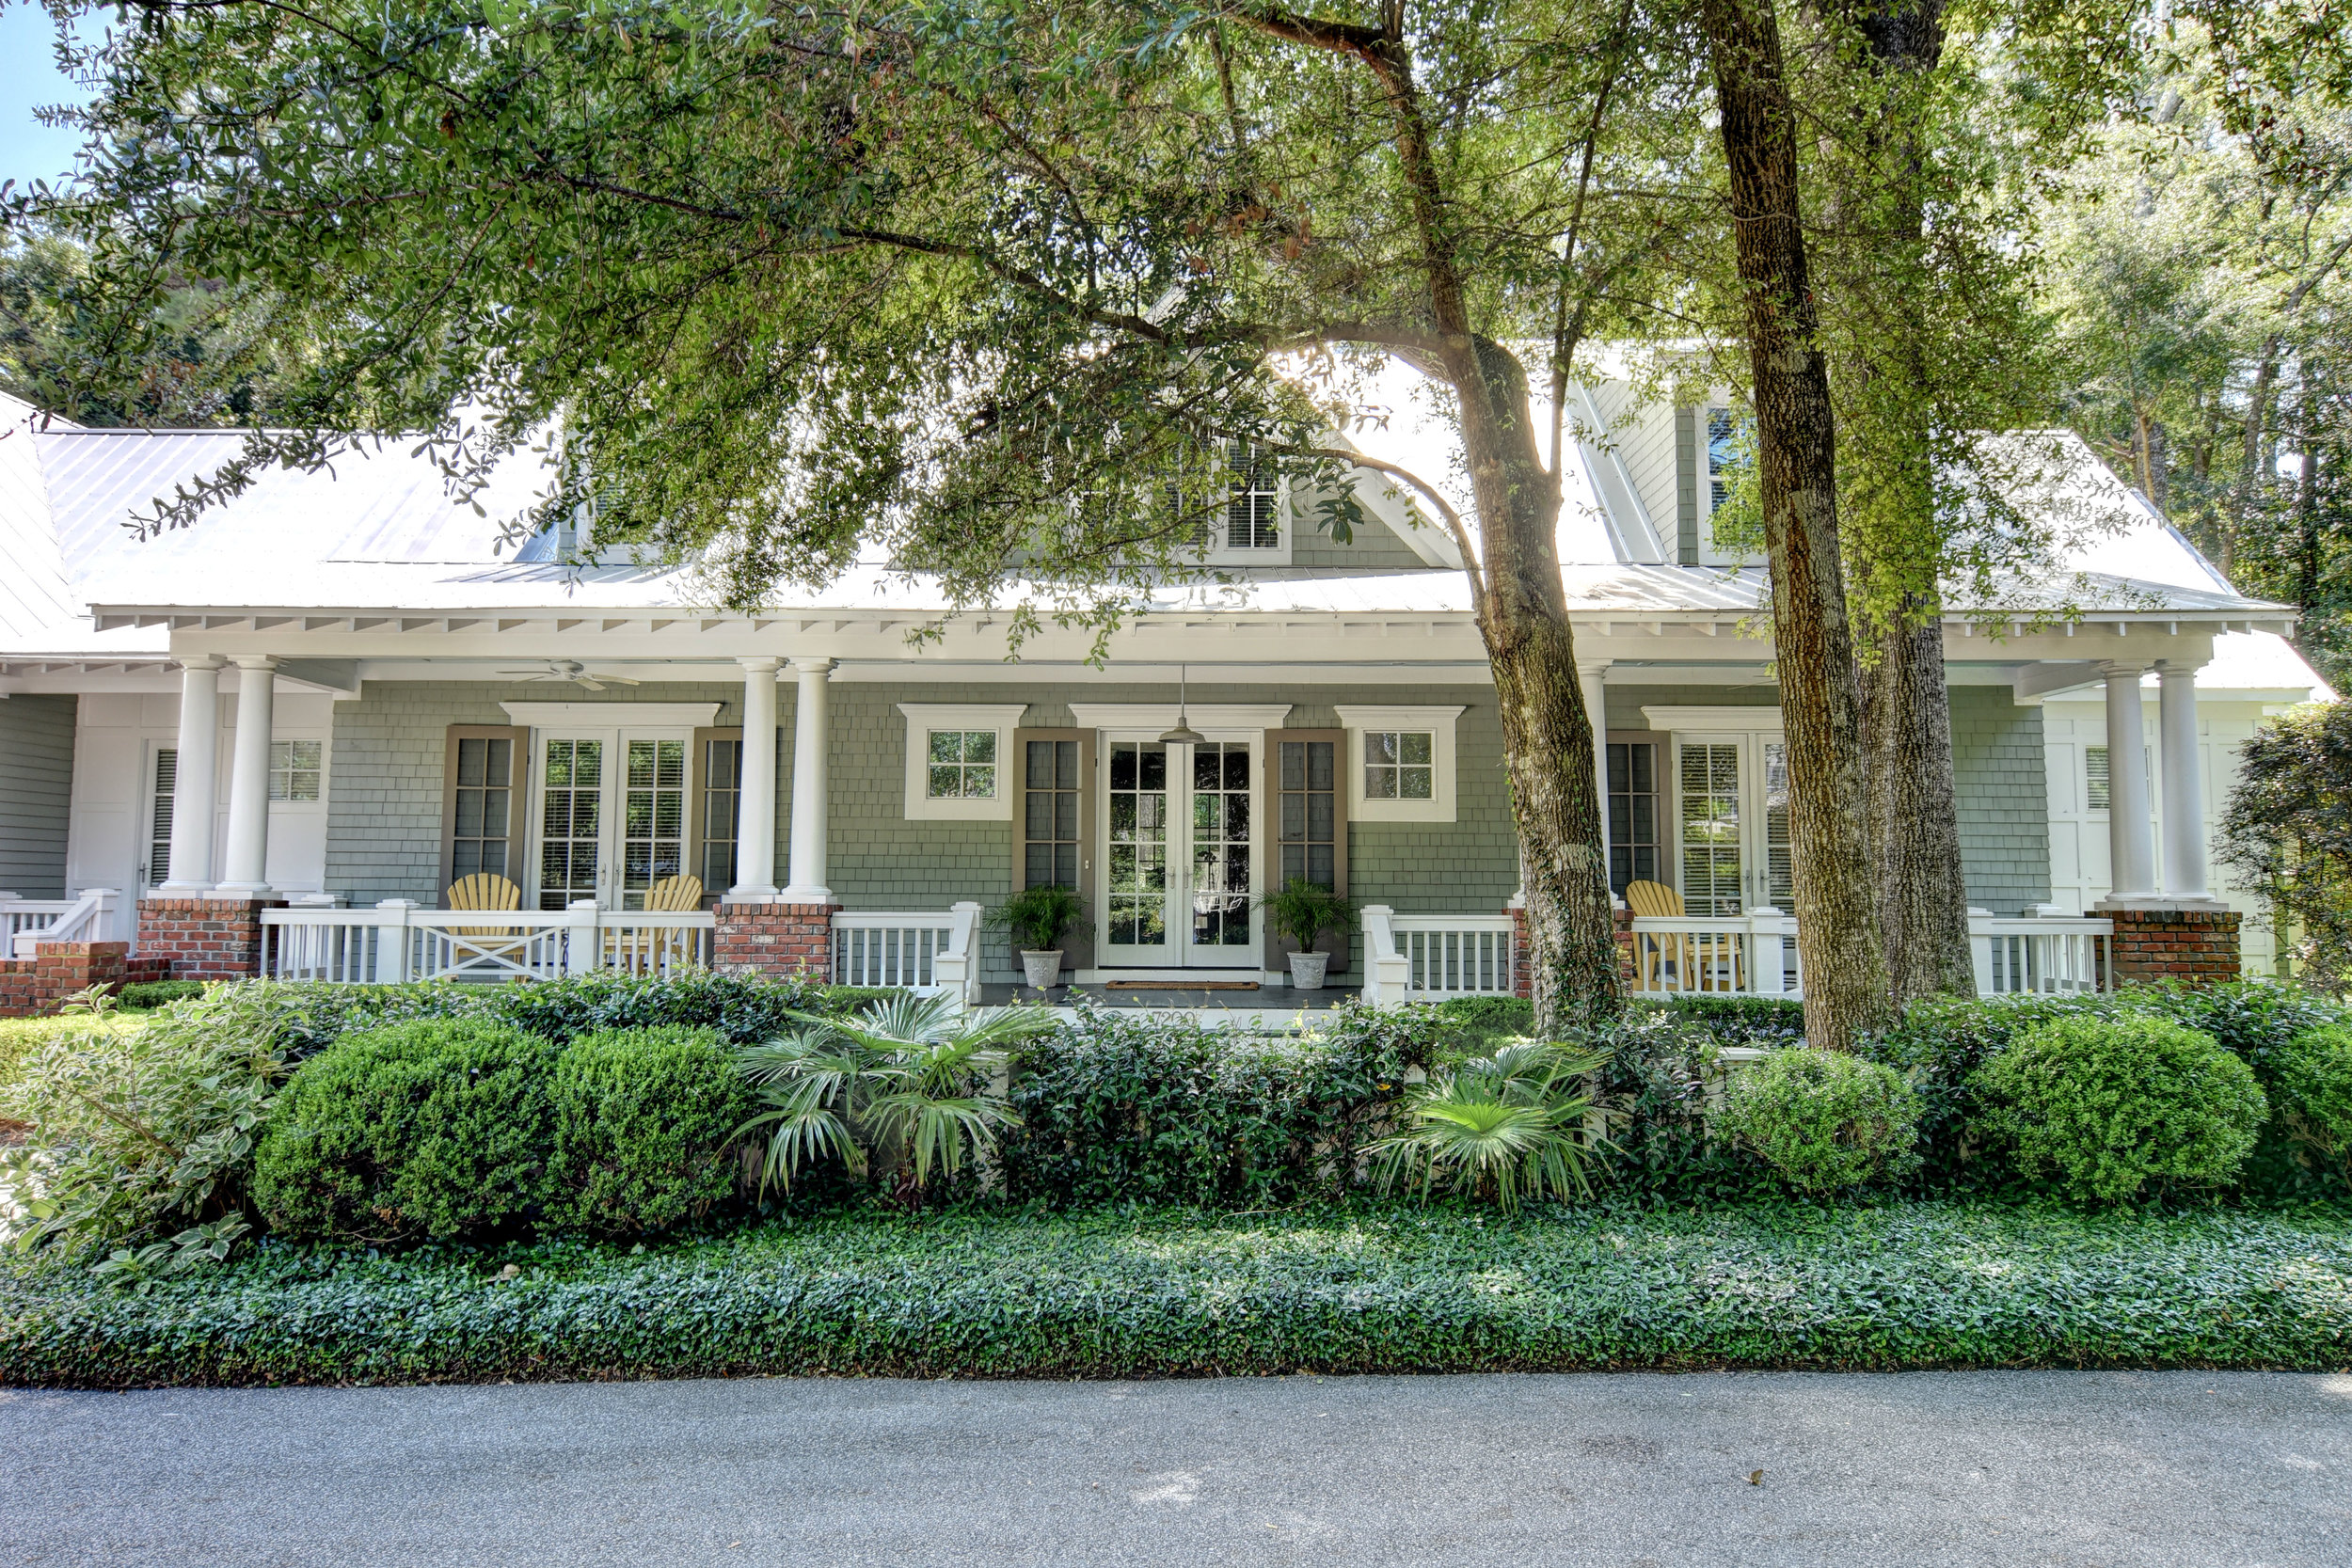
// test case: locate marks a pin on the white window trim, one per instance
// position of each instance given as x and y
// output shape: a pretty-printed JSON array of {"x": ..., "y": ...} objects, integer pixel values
[
  {"x": 325, "y": 766},
  {"x": 1438, "y": 721},
  {"x": 1222, "y": 554},
  {"x": 1712, "y": 720},
  {"x": 923, "y": 718}
]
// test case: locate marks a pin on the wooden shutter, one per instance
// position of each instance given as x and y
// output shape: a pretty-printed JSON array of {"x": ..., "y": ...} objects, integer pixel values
[
  {"x": 1307, "y": 797},
  {"x": 714, "y": 784},
  {"x": 485, "y": 779},
  {"x": 1053, "y": 823}
]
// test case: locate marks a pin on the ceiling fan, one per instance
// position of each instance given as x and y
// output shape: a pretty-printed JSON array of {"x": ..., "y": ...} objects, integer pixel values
[{"x": 573, "y": 671}]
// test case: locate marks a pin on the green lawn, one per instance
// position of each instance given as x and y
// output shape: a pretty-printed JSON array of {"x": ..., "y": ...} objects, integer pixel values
[{"x": 1173, "y": 1293}]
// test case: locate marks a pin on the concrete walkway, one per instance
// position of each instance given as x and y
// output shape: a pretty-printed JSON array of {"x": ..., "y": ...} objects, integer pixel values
[{"x": 2180, "y": 1469}]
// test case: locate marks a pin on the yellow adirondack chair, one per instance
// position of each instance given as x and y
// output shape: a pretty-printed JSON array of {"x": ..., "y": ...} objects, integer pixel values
[
  {"x": 487, "y": 890},
  {"x": 1698, "y": 962},
  {"x": 655, "y": 949}
]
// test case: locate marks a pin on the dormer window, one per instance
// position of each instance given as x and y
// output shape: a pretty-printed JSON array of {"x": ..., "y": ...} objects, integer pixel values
[{"x": 1246, "y": 528}]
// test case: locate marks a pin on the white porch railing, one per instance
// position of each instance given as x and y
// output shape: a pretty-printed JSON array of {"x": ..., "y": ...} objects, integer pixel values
[
  {"x": 1740, "y": 955},
  {"x": 399, "y": 941},
  {"x": 924, "y": 950},
  {"x": 25, "y": 922},
  {"x": 2052, "y": 955},
  {"x": 1428, "y": 958}
]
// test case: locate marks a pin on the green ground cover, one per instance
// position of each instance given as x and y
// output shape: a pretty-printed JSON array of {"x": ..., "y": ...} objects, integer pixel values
[{"x": 1142, "y": 1292}]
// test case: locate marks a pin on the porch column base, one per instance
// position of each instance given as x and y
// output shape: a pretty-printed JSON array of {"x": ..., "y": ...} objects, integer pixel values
[
  {"x": 774, "y": 939},
  {"x": 1522, "y": 964},
  {"x": 217, "y": 938},
  {"x": 29, "y": 987},
  {"x": 2195, "y": 944}
]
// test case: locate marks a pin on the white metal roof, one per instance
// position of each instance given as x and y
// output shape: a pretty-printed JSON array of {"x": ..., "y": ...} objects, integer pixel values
[{"x": 378, "y": 533}]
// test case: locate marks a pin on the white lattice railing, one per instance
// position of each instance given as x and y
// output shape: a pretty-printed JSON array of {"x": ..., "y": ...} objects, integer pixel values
[
  {"x": 25, "y": 922},
  {"x": 398, "y": 941},
  {"x": 925, "y": 950},
  {"x": 1427, "y": 957}
]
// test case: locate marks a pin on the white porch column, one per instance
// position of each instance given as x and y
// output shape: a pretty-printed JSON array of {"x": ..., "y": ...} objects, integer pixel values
[
  {"x": 809, "y": 746},
  {"x": 2131, "y": 848},
  {"x": 195, "y": 777},
  {"x": 756, "y": 812},
  {"x": 246, "y": 866},
  {"x": 1593, "y": 678},
  {"x": 2184, "y": 782}
]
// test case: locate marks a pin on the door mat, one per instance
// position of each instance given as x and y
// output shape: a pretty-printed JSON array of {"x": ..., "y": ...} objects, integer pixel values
[{"x": 1182, "y": 985}]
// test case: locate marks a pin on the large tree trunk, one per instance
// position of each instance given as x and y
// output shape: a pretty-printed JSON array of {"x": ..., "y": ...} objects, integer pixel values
[
  {"x": 1915, "y": 820},
  {"x": 1838, "y": 945},
  {"x": 1548, "y": 736},
  {"x": 1923, "y": 895}
]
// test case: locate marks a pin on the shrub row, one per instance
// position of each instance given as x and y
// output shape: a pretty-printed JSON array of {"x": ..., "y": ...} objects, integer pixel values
[
  {"x": 447, "y": 1126},
  {"x": 1162, "y": 1293},
  {"x": 1127, "y": 1108}
]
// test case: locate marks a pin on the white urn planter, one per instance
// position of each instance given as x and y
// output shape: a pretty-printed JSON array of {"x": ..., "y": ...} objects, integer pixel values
[
  {"x": 1306, "y": 969},
  {"x": 1042, "y": 970}
]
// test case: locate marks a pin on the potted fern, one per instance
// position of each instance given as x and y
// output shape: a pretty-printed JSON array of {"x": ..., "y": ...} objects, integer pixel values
[
  {"x": 1302, "y": 911},
  {"x": 1036, "y": 917}
]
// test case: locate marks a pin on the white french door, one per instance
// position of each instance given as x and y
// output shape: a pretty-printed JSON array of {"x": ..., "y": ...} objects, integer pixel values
[
  {"x": 1731, "y": 823},
  {"x": 612, "y": 818},
  {"x": 1180, "y": 855}
]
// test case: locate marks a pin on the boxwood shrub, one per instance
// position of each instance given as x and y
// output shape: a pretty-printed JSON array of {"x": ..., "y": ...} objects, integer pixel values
[
  {"x": 431, "y": 1129},
  {"x": 642, "y": 1123},
  {"x": 2111, "y": 1107},
  {"x": 1823, "y": 1119}
]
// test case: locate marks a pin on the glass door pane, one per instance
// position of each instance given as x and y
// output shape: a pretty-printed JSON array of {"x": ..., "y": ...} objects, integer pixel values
[
  {"x": 1219, "y": 925},
  {"x": 1136, "y": 881},
  {"x": 653, "y": 823},
  {"x": 571, "y": 821},
  {"x": 1708, "y": 832}
]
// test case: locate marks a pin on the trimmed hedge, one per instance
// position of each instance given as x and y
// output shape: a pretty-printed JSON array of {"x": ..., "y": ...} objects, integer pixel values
[
  {"x": 1129, "y": 1108},
  {"x": 1146, "y": 1293},
  {"x": 435, "y": 1128},
  {"x": 147, "y": 996},
  {"x": 643, "y": 1120}
]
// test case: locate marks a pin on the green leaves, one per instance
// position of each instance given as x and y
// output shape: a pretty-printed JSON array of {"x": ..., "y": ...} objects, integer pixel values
[
  {"x": 1503, "y": 1128},
  {"x": 1145, "y": 1292},
  {"x": 914, "y": 1079}
]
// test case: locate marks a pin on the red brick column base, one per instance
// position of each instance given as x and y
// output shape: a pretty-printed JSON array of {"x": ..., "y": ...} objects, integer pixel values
[
  {"x": 781, "y": 941},
  {"x": 205, "y": 939},
  {"x": 56, "y": 971},
  {"x": 2194, "y": 947},
  {"x": 1523, "y": 969}
]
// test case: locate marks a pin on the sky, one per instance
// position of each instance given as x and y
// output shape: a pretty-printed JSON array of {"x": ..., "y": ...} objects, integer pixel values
[{"x": 31, "y": 150}]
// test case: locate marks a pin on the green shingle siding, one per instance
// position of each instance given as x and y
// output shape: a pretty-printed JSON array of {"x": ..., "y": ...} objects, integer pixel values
[
  {"x": 2003, "y": 801},
  {"x": 36, "y": 792}
]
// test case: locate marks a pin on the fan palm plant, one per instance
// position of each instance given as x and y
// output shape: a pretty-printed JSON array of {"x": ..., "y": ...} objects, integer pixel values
[
  {"x": 1506, "y": 1127},
  {"x": 915, "y": 1075}
]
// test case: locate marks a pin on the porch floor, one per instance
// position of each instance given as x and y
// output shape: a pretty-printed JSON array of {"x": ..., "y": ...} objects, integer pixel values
[{"x": 1267, "y": 999}]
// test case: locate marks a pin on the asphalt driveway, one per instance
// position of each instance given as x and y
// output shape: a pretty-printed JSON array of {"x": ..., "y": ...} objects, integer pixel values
[{"x": 2179, "y": 1469}]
